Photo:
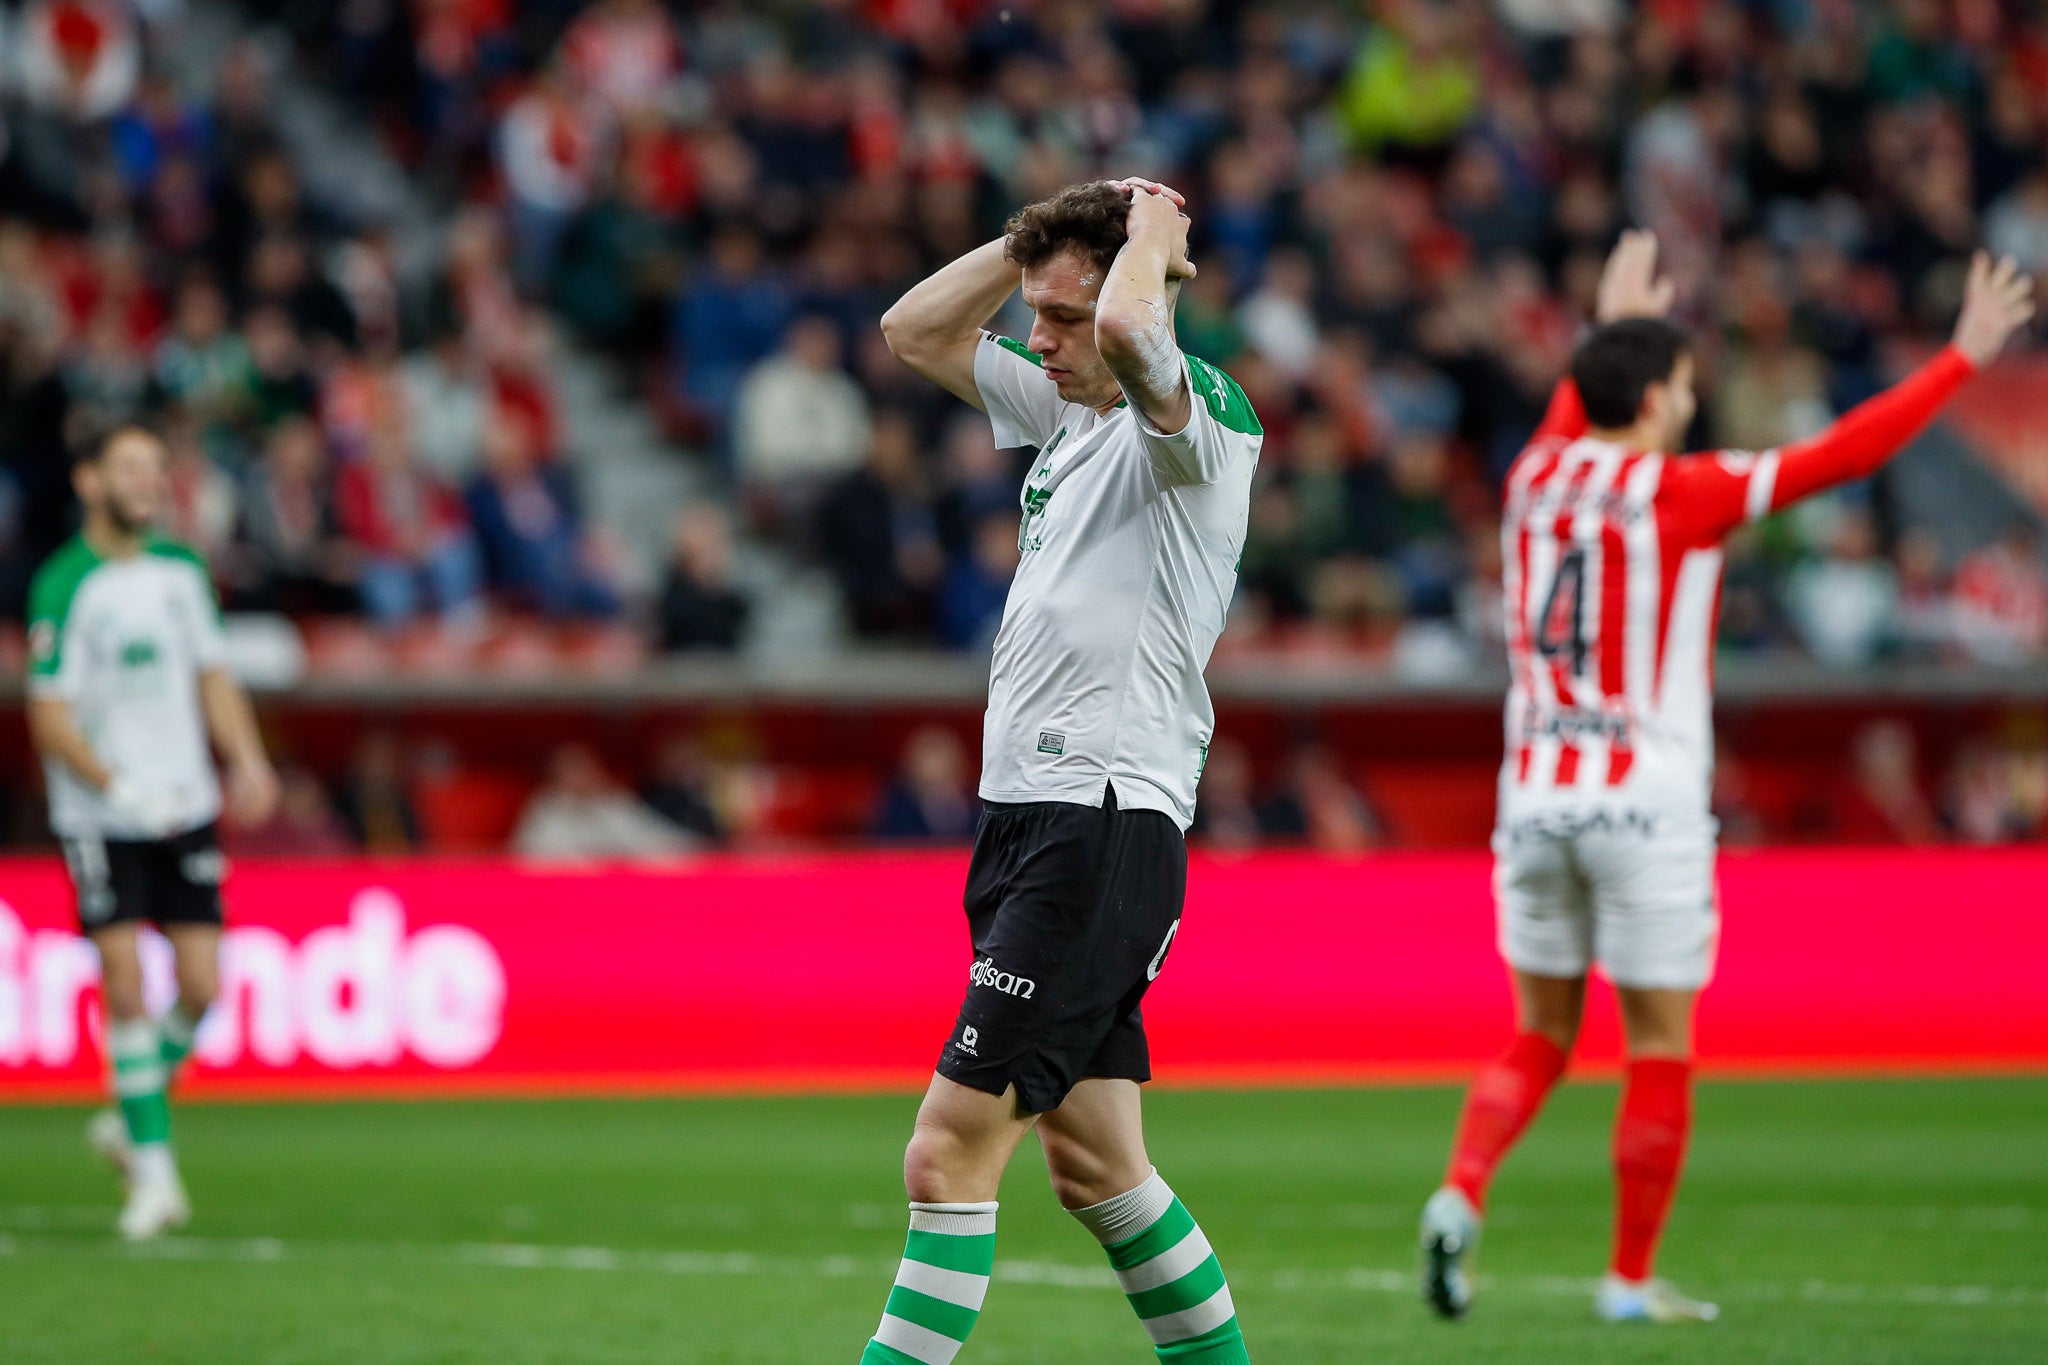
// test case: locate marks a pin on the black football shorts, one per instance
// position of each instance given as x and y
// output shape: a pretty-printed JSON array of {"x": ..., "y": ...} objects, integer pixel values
[
  {"x": 1072, "y": 910},
  {"x": 160, "y": 881}
]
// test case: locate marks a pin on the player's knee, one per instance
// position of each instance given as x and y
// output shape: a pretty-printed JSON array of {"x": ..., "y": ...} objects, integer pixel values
[
  {"x": 940, "y": 1166},
  {"x": 121, "y": 994},
  {"x": 196, "y": 992},
  {"x": 1082, "y": 1176}
]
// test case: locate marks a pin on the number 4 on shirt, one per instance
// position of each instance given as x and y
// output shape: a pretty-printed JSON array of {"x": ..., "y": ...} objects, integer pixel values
[{"x": 1561, "y": 629}]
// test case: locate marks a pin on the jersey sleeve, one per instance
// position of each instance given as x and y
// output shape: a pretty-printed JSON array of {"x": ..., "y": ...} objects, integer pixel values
[
  {"x": 1703, "y": 498},
  {"x": 1023, "y": 406},
  {"x": 1221, "y": 428},
  {"x": 52, "y": 670}
]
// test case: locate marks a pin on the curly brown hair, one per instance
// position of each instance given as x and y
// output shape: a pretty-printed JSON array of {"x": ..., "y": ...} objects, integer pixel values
[{"x": 1086, "y": 219}]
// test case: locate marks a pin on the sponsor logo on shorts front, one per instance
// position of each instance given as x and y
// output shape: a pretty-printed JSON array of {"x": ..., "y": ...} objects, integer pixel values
[
  {"x": 1051, "y": 742},
  {"x": 970, "y": 1039},
  {"x": 984, "y": 972}
]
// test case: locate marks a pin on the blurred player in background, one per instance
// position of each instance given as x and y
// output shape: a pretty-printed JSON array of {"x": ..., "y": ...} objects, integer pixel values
[
  {"x": 1098, "y": 724},
  {"x": 126, "y": 681},
  {"x": 1604, "y": 847}
]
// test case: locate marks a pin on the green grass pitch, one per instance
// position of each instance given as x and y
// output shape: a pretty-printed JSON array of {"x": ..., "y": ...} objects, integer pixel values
[{"x": 1847, "y": 1221}]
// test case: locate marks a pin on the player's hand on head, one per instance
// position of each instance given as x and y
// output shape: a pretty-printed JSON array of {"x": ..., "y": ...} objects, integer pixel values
[
  {"x": 1629, "y": 287},
  {"x": 1998, "y": 300},
  {"x": 1134, "y": 184},
  {"x": 1156, "y": 207}
]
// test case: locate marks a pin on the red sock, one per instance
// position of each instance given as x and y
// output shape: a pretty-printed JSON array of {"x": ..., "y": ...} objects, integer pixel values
[
  {"x": 1503, "y": 1098},
  {"x": 1649, "y": 1147}
]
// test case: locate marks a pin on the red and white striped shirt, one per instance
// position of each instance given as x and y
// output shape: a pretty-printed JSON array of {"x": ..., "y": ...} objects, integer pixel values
[{"x": 1613, "y": 586}]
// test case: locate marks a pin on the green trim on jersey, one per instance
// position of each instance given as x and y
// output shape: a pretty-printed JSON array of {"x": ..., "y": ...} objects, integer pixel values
[
  {"x": 1012, "y": 344},
  {"x": 1227, "y": 403},
  {"x": 55, "y": 587},
  {"x": 163, "y": 547},
  {"x": 50, "y": 595}
]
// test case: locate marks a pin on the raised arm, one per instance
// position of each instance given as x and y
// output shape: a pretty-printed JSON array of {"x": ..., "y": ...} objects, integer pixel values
[
  {"x": 935, "y": 327},
  {"x": 1710, "y": 497},
  {"x": 1134, "y": 315},
  {"x": 1629, "y": 288}
]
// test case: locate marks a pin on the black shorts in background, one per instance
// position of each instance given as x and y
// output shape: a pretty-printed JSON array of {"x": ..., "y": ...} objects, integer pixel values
[
  {"x": 161, "y": 881},
  {"x": 1072, "y": 910}
]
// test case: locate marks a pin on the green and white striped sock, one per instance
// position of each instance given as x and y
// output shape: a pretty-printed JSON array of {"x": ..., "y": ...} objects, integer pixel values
[
  {"x": 175, "y": 1032},
  {"x": 135, "y": 1057},
  {"x": 1169, "y": 1274},
  {"x": 939, "y": 1286}
]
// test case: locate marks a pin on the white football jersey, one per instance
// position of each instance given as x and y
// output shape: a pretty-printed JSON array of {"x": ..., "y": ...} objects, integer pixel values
[
  {"x": 1130, "y": 543},
  {"x": 124, "y": 642}
]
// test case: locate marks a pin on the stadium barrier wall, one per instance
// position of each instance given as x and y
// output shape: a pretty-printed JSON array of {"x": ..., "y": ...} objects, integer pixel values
[{"x": 844, "y": 971}]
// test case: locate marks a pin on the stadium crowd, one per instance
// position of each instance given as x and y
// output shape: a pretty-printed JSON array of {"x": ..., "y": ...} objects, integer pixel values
[{"x": 1398, "y": 220}]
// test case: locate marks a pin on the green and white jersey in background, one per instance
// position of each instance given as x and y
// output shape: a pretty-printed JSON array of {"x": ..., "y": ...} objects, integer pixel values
[{"x": 124, "y": 642}]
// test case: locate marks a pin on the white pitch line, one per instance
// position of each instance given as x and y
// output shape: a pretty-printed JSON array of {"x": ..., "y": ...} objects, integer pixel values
[{"x": 746, "y": 1265}]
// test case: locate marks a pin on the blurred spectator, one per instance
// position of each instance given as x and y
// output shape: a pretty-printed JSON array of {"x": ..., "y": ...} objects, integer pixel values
[
  {"x": 549, "y": 148},
  {"x": 580, "y": 813},
  {"x": 1924, "y": 629},
  {"x": 879, "y": 534},
  {"x": 294, "y": 558},
  {"x": 799, "y": 417},
  {"x": 282, "y": 386},
  {"x": 303, "y": 825},
  {"x": 445, "y": 403},
  {"x": 1846, "y": 604},
  {"x": 79, "y": 59},
  {"x": 701, "y": 607},
  {"x": 1227, "y": 813},
  {"x": 1881, "y": 801},
  {"x": 679, "y": 789},
  {"x": 2001, "y": 598},
  {"x": 977, "y": 586},
  {"x": 527, "y": 526},
  {"x": 202, "y": 505},
  {"x": 202, "y": 365},
  {"x": 931, "y": 798},
  {"x": 1318, "y": 804},
  {"x": 376, "y": 799},
  {"x": 727, "y": 319},
  {"x": 413, "y": 539},
  {"x": 1989, "y": 797}
]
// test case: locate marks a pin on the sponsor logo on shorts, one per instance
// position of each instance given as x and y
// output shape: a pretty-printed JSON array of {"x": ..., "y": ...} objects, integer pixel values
[
  {"x": 970, "y": 1038},
  {"x": 1051, "y": 742},
  {"x": 1159, "y": 958},
  {"x": 204, "y": 867},
  {"x": 1569, "y": 824},
  {"x": 984, "y": 972}
]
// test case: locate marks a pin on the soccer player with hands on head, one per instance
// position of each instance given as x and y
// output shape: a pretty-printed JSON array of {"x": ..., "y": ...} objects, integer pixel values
[
  {"x": 1604, "y": 845},
  {"x": 127, "y": 683},
  {"x": 1130, "y": 526}
]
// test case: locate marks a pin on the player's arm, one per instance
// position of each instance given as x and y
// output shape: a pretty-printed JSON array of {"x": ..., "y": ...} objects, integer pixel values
[
  {"x": 1715, "y": 498},
  {"x": 1134, "y": 314},
  {"x": 1998, "y": 300},
  {"x": 54, "y": 732},
  {"x": 936, "y": 327},
  {"x": 231, "y": 721},
  {"x": 1629, "y": 288}
]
